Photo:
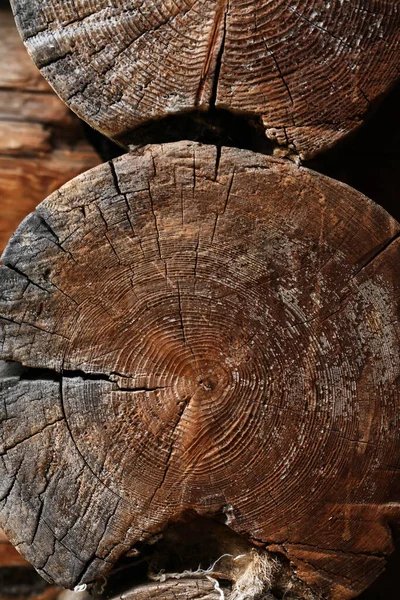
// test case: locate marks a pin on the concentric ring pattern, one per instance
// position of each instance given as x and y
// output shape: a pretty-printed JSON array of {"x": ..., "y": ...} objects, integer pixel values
[
  {"x": 309, "y": 69},
  {"x": 219, "y": 334}
]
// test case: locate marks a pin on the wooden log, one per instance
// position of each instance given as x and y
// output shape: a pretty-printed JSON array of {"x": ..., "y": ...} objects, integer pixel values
[
  {"x": 42, "y": 144},
  {"x": 310, "y": 71},
  {"x": 184, "y": 589},
  {"x": 205, "y": 333}
]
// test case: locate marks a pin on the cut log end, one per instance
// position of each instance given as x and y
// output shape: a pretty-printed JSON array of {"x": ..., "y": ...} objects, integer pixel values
[
  {"x": 311, "y": 73},
  {"x": 208, "y": 332}
]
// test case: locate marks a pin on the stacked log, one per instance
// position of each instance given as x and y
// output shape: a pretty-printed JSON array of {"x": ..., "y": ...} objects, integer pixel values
[
  {"x": 310, "y": 71},
  {"x": 162, "y": 300}
]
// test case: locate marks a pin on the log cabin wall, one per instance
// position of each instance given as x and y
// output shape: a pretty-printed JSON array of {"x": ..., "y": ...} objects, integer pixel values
[{"x": 358, "y": 161}]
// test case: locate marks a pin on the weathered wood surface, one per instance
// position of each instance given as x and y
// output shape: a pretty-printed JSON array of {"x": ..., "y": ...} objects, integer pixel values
[
  {"x": 182, "y": 589},
  {"x": 309, "y": 70},
  {"x": 220, "y": 334},
  {"x": 18, "y": 579},
  {"x": 42, "y": 144}
]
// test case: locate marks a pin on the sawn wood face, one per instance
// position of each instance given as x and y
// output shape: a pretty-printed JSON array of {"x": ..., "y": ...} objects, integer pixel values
[
  {"x": 207, "y": 330},
  {"x": 310, "y": 70}
]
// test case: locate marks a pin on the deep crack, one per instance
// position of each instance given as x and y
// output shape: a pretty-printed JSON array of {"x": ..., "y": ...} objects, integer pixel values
[{"x": 24, "y": 373}]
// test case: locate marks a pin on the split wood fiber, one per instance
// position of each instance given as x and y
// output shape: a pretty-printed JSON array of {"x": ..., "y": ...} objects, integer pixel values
[
  {"x": 310, "y": 71},
  {"x": 42, "y": 144},
  {"x": 205, "y": 330}
]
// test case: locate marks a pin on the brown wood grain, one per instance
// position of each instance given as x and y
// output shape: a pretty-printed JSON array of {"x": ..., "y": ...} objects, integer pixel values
[
  {"x": 219, "y": 333},
  {"x": 183, "y": 589},
  {"x": 310, "y": 71},
  {"x": 42, "y": 144}
]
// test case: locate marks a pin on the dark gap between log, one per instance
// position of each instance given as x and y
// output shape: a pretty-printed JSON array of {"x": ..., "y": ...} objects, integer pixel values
[
  {"x": 367, "y": 160},
  {"x": 17, "y": 582},
  {"x": 190, "y": 547},
  {"x": 218, "y": 127}
]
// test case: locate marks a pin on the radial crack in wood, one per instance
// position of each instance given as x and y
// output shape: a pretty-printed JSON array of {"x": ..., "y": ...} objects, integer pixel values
[
  {"x": 219, "y": 333},
  {"x": 309, "y": 70}
]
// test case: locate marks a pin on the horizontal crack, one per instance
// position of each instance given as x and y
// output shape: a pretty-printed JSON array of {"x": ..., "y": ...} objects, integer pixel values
[{"x": 24, "y": 373}]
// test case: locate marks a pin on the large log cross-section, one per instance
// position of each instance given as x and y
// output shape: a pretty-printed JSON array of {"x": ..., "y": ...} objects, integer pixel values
[{"x": 203, "y": 334}]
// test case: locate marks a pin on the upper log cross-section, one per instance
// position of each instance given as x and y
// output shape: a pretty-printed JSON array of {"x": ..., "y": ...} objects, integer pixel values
[{"x": 309, "y": 70}]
